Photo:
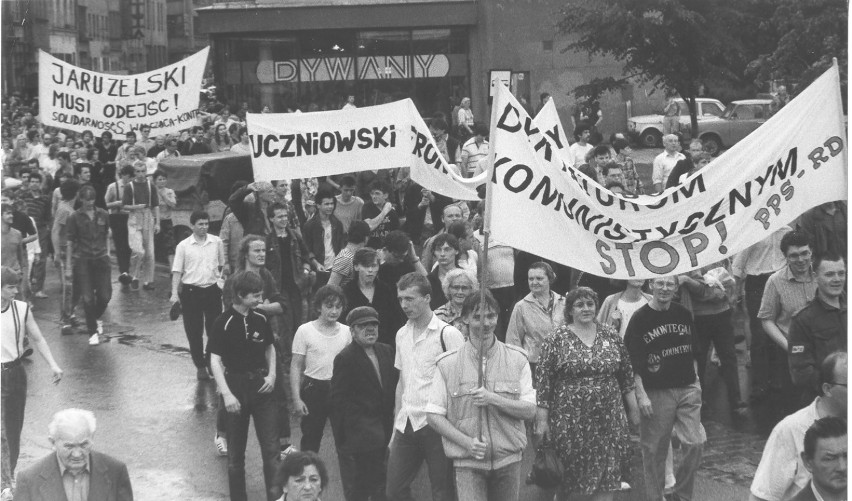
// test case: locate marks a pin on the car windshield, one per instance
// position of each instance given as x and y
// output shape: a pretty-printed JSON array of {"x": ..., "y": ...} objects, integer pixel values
[{"x": 728, "y": 110}]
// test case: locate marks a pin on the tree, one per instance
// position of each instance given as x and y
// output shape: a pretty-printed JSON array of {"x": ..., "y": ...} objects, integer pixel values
[
  {"x": 807, "y": 35},
  {"x": 674, "y": 44}
]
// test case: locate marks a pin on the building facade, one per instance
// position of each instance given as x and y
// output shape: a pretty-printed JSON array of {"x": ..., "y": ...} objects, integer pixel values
[
  {"x": 111, "y": 36},
  {"x": 311, "y": 54}
]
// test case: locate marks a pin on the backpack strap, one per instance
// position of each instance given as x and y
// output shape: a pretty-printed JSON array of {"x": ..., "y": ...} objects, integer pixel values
[{"x": 443, "y": 344}]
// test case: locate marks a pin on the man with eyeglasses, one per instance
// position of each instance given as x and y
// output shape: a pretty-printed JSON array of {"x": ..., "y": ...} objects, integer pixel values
[
  {"x": 787, "y": 291},
  {"x": 820, "y": 328},
  {"x": 781, "y": 473},
  {"x": 663, "y": 350}
]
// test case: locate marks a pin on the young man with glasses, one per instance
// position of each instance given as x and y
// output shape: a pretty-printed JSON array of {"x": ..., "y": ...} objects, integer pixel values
[
  {"x": 663, "y": 352},
  {"x": 787, "y": 291}
]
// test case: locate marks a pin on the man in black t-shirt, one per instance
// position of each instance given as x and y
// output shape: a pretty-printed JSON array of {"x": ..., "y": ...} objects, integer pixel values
[
  {"x": 242, "y": 358},
  {"x": 662, "y": 350}
]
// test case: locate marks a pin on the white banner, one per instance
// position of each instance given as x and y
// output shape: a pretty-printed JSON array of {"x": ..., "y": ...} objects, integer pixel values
[
  {"x": 326, "y": 143},
  {"x": 548, "y": 121},
  {"x": 795, "y": 161},
  {"x": 78, "y": 99}
]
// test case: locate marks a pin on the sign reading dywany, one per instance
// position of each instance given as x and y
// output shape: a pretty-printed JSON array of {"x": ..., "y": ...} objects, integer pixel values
[
  {"x": 78, "y": 99},
  {"x": 795, "y": 161}
]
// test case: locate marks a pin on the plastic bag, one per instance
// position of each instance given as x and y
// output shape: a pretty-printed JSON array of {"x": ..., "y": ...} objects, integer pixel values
[{"x": 546, "y": 469}]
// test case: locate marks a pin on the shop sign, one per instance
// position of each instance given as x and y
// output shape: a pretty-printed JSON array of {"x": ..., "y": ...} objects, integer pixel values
[{"x": 327, "y": 69}]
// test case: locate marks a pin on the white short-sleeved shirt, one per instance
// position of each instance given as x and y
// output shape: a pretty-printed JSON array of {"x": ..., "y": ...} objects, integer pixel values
[
  {"x": 438, "y": 391},
  {"x": 781, "y": 473},
  {"x": 415, "y": 359},
  {"x": 579, "y": 152},
  {"x": 14, "y": 321},
  {"x": 663, "y": 165},
  {"x": 319, "y": 350},
  {"x": 199, "y": 262}
]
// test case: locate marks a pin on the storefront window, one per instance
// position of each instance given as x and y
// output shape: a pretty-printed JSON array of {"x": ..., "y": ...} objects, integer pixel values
[{"x": 315, "y": 71}]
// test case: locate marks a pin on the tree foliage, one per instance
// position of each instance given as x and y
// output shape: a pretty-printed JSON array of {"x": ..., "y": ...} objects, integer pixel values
[
  {"x": 807, "y": 34},
  {"x": 674, "y": 44}
]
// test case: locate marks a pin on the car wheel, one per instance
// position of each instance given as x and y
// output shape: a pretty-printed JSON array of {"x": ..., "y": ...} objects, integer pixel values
[
  {"x": 651, "y": 138},
  {"x": 712, "y": 145}
]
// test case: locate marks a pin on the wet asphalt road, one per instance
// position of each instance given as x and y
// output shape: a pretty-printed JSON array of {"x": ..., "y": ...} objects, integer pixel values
[{"x": 155, "y": 416}]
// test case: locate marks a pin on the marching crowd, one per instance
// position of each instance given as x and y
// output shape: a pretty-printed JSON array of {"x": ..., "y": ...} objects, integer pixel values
[{"x": 363, "y": 300}]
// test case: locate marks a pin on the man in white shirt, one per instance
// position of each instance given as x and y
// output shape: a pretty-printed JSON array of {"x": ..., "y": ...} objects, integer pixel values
[
  {"x": 418, "y": 345},
  {"x": 665, "y": 162},
  {"x": 196, "y": 271},
  {"x": 582, "y": 147},
  {"x": 170, "y": 151},
  {"x": 474, "y": 150},
  {"x": 781, "y": 473}
]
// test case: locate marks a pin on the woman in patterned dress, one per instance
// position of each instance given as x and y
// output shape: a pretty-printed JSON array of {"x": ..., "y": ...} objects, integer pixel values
[{"x": 584, "y": 380}]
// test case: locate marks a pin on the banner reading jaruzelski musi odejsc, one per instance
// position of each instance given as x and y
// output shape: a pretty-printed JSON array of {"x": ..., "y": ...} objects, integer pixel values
[
  {"x": 78, "y": 99},
  {"x": 793, "y": 162},
  {"x": 300, "y": 145}
]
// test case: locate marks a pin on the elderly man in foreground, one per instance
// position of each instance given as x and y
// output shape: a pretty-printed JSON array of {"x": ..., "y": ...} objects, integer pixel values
[{"x": 74, "y": 471}]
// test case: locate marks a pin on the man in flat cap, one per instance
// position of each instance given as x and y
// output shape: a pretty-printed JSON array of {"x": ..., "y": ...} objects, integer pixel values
[{"x": 363, "y": 388}]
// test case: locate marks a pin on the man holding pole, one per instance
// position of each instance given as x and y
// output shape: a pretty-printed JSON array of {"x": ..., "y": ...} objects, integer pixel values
[
  {"x": 492, "y": 394},
  {"x": 418, "y": 344}
]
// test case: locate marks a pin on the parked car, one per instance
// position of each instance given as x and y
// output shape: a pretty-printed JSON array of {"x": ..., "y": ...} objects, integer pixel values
[
  {"x": 647, "y": 130},
  {"x": 739, "y": 119},
  {"x": 203, "y": 182}
]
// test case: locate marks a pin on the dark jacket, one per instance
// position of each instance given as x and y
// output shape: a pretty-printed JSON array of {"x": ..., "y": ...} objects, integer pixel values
[
  {"x": 42, "y": 481},
  {"x": 312, "y": 233},
  {"x": 250, "y": 215},
  {"x": 391, "y": 317},
  {"x": 816, "y": 330},
  {"x": 361, "y": 407},
  {"x": 806, "y": 494}
]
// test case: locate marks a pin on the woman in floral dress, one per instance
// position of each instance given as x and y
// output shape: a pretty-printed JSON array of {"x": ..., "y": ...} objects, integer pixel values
[{"x": 584, "y": 380}]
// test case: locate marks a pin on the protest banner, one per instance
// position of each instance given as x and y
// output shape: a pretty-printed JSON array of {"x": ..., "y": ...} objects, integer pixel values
[
  {"x": 548, "y": 121},
  {"x": 78, "y": 99},
  {"x": 795, "y": 161},
  {"x": 326, "y": 143}
]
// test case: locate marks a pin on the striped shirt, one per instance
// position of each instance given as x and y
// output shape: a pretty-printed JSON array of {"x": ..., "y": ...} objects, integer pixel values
[{"x": 784, "y": 296}]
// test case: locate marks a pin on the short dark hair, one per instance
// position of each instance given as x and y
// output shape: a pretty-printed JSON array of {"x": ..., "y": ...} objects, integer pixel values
[
  {"x": 828, "y": 367},
  {"x": 619, "y": 144},
  {"x": 195, "y": 129},
  {"x": 358, "y": 232},
  {"x": 601, "y": 149},
  {"x": 480, "y": 129},
  {"x": 324, "y": 194},
  {"x": 329, "y": 292},
  {"x": 580, "y": 129},
  {"x": 589, "y": 171},
  {"x": 827, "y": 427},
  {"x": 605, "y": 168},
  {"x": 579, "y": 293},
  {"x": 445, "y": 238},
  {"x": 243, "y": 130},
  {"x": 794, "y": 239},
  {"x": 270, "y": 211},
  {"x": 472, "y": 302},
  {"x": 198, "y": 215},
  {"x": 295, "y": 463},
  {"x": 64, "y": 155},
  {"x": 106, "y": 135},
  {"x": 365, "y": 256},
  {"x": 380, "y": 185},
  {"x": 397, "y": 241},
  {"x": 126, "y": 170},
  {"x": 159, "y": 173},
  {"x": 68, "y": 189},
  {"x": 348, "y": 181},
  {"x": 130, "y": 134},
  {"x": 33, "y": 175},
  {"x": 416, "y": 280},
  {"x": 825, "y": 256},
  {"x": 439, "y": 123},
  {"x": 246, "y": 282}
]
